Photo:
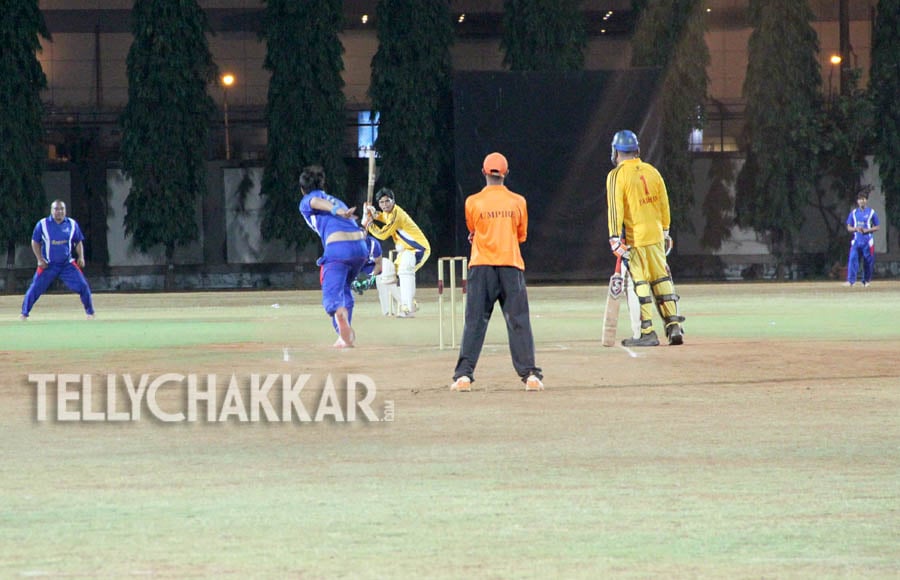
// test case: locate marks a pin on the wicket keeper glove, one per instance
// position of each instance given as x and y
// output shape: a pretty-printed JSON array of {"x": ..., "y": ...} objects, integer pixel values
[
  {"x": 669, "y": 242},
  {"x": 618, "y": 247}
]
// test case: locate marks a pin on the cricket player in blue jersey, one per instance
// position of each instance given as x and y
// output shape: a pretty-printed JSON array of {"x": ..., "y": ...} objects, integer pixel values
[
  {"x": 862, "y": 223},
  {"x": 345, "y": 251},
  {"x": 53, "y": 242}
]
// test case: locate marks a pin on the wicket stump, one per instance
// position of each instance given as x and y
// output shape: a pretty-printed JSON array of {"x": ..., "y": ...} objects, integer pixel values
[{"x": 451, "y": 263}]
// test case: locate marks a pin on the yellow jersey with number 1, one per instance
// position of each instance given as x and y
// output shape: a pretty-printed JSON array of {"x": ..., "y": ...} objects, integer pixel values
[{"x": 638, "y": 200}]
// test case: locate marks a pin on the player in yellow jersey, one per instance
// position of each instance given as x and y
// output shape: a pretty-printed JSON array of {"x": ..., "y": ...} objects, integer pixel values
[
  {"x": 639, "y": 206},
  {"x": 412, "y": 248}
]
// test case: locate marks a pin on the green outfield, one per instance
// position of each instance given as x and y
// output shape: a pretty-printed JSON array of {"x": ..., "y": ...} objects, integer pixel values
[{"x": 767, "y": 446}]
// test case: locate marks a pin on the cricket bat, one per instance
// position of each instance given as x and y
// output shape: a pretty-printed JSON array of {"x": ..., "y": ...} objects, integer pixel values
[
  {"x": 370, "y": 189},
  {"x": 613, "y": 300}
]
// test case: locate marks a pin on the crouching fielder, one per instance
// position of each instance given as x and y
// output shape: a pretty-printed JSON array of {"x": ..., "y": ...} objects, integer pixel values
[
  {"x": 58, "y": 246},
  {"x": 412, "y": 248}
]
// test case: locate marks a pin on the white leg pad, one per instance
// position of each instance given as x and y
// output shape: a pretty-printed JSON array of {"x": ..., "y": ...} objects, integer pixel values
[
  {"x": 386, "y": 282},
  {"x": 634, "y": 306},
  {"x": 407, "y": 275}
]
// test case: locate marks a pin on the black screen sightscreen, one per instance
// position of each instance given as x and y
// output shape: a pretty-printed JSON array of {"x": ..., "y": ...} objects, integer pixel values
[{"x": 555, "y": 129}]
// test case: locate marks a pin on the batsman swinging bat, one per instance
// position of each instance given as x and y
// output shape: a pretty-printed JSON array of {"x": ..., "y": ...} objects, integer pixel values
[
  {"x": 613, "y": 300},
  {"x": 370, "y": 190}
]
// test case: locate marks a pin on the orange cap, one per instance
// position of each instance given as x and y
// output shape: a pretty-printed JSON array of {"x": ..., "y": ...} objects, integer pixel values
[{"x": 495, "y": 164}]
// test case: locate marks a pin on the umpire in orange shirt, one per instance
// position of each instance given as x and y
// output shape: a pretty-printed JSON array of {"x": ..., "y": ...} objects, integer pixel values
[{"x": 497, "y": 219}]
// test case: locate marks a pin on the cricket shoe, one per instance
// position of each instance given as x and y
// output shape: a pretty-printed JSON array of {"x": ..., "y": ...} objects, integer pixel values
[
  {"x": 532, "y": 383},
  {"x": 649, "y": 339},
  {"x": 675, "y": 334},
  {"x": 462, "y": 385},
  {"x": 344, "y": 329},
  {"x": 405, "y": 312}
]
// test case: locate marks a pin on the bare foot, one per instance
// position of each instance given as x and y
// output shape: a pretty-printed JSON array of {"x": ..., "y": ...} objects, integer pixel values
[{"x": 341, "y": 316}]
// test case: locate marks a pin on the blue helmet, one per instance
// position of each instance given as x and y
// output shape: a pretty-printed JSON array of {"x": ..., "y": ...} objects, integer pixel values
[{"x": 625, "y": 141}]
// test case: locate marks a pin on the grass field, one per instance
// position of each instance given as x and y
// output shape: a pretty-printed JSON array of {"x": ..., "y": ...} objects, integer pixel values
[{"x": 768, "y": 446}]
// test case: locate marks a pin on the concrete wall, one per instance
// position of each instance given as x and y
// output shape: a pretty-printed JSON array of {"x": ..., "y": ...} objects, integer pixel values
[
  {"x": 243, "y": 220},
  {"x": 122, "y": 251}
]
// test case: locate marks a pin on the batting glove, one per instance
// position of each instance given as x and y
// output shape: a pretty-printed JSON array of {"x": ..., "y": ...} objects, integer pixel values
[
  {"x": 618, "y": 248},
  {"x": 669, "y": 242},
  {"x": 360, "y": 286}
]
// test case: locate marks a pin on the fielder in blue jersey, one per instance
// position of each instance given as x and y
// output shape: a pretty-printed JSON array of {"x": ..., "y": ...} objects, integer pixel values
[
  {"x": 345, "y": 250},
  {"x": 862, "y": 223},
  {"x": 54, "y": 241}
]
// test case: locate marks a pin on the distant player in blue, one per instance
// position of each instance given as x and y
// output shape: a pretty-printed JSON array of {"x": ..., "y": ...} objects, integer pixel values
[
  {"x": 53, "y": 241},
  {"x": 862, "y": 223},
  {"x": 345, "y": 249}
]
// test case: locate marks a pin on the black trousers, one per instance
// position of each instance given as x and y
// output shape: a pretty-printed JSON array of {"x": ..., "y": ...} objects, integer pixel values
[{"x": 486, "y": 286}]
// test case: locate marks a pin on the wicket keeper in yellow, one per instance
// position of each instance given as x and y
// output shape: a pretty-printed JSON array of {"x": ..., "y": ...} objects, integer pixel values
[{"x": 638, "y": 202}]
